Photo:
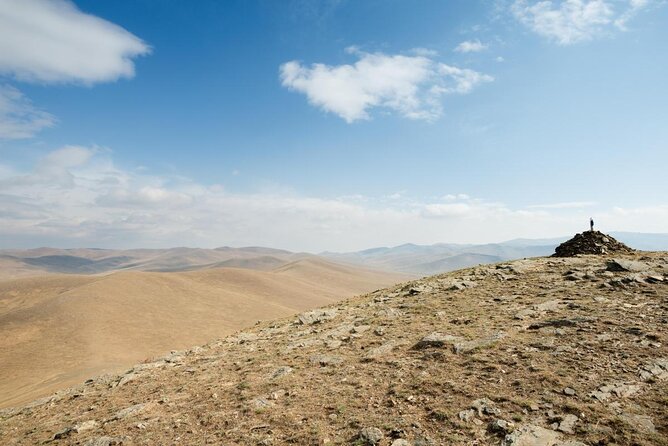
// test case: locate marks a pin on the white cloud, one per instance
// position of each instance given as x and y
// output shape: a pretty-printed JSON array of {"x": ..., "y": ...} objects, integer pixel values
[
  {"x": 19, "y": 118},
  {"x": 571, "y": 21},
  {"x": 84, "y": 199},
  {"x": 567, "y": 21},
  {"x": 470, "y": 46},
  {"x": 409, "y": 85},
  {"x": 52, "y": 41}
]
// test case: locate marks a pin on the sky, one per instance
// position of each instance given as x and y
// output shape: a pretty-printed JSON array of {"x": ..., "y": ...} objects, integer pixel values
[{"x": 329, "y": 125}]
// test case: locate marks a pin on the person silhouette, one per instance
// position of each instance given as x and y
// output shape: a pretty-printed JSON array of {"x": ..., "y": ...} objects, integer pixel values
[{"x": 591, "y": 224}]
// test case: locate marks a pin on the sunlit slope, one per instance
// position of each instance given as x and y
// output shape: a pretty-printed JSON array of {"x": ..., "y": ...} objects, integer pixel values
[{"x": 60, "y": 329}]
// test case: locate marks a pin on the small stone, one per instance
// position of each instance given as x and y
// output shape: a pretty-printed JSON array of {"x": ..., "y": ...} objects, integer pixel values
[
  {"x": 325, "y": 360},
  {"x": 316, "y": 317},
  {"x": 400, "y": 442},
  {"x": 569, "y": 391},
  {"x": 485, "y": 407},
  {"x": 467, "y": 415},
  {"x": 469, "y": 346},
  {"x": 371, "y": 435},
  {"x": 333, "y": 344},
  {"x": 643, "y": 423},
  {"x": 281, "y": 371},
  {"x": 530, "y": 435},
  {"x": 63, "y": 433},
  {"x": 261, "y": 403},
  {"x": 104, "y": 441},
  {"x": 380, "y": 351},
  {"x": 86, "y": 426},
  {"x": 501, "y": 426},
  {"x": 131, "y": 411},
  {"x": 436, "y": 339},
  {"x": 567, "y": 423}
]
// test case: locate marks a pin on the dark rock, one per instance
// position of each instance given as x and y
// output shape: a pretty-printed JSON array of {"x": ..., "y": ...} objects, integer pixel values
[{"x": 623, "y": 265}]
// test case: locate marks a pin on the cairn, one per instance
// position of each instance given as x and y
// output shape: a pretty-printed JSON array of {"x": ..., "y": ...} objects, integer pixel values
[{"x": 591, "y": 242}]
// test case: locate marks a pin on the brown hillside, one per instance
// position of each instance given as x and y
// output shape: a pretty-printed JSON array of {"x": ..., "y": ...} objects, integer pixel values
[
  {"x": 546, "y": 352},
  {"x": 59, "y": 330}
]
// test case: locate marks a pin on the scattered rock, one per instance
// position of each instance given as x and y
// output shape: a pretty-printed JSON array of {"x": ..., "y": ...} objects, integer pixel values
[
  {"x": 619, "y": 390},
  {"x": 316, "y": 317},
  {"x": 485, "y": 406},
  {"x": 560, "y": 323},
  {"x": 333, "y": 344},
  {"x": 501, "y": 426},
  {"x": 243, "y": 338},
  {"x": 104, "y": 441},
  {"x": 530, "y": 435},
  {"x": 436, "y": 339},
  {"x": 567, "y": 423},
  {"x": 624, "y": 265},
  {"x": 468, "y": 346},
  {"x": 281, "y": 371},
  {"x": 380, "y": 351},
  {"x": 656, "y": 369},
  {"x": 526, "y": 314},
  {"x": 371, "y": 435},
  {"x": 260, "y": 403},
  {"x": 131, "y": 411},
  {"x": 642, "y": 423},
  {"x": 325, "y": 360},
  {"x": 361, "y": 328},
  {"x": 86, "y": 426},
  {"x": 400, "y": 442},
  {"x": 63, "y": 433},
  {"x": 569, "y": 391},
  {"x": 467, "y": 415}
]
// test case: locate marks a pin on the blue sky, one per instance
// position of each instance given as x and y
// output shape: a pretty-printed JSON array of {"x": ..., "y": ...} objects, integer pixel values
[{"x": 337, "y": 125}]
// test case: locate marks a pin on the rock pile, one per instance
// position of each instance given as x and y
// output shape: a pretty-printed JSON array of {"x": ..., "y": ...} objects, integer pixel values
[{"x": 591, "y": 242}]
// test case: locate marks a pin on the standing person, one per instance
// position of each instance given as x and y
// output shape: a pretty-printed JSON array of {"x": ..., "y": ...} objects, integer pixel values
[{"x": 591, "y": 224}]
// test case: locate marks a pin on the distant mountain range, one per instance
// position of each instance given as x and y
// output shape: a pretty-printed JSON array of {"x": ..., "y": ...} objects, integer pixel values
[
  {"x": 411, "y": 259},
  {"x": 442, "y": 257},
  {"x": 30, "y": 262}
]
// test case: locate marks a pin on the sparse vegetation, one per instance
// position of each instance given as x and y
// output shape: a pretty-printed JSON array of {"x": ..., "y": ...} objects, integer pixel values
[{"x": 585, "y": 361}]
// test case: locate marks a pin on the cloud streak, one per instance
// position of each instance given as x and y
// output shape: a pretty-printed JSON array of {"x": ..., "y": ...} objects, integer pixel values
[
  {"x": 410, "y": 85},
  {"x": 19, "y": 118},
  {"x": 76, "y": 196}
]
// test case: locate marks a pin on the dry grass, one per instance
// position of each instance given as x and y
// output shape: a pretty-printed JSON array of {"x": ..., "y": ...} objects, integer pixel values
[{"x": 224, "y": 392}]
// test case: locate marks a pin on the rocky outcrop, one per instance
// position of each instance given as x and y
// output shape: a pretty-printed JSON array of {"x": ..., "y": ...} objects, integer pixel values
[{"x": 591, "y": 242}]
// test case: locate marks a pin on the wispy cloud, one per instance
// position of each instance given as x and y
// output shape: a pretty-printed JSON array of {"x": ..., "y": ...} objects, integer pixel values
[
  {"x": 52, "y": 41},
  {"x": 409, "y": 85},
  {"x": 77, "y": 196},
  {"x": 565, "y": 205},
  {"x": 19, "y": 118},
  {"x": 470, "y": 46},
  {"x": 571, "y": 21}
]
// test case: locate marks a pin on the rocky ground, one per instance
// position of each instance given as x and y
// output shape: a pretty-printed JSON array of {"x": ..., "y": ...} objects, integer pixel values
[{"x": 546, "y": 351}]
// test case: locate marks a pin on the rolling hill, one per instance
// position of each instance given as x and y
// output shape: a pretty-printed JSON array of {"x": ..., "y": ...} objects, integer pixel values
[
  {"x": 546, "y": 351},
  {"x": 56, "y": 330}
]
